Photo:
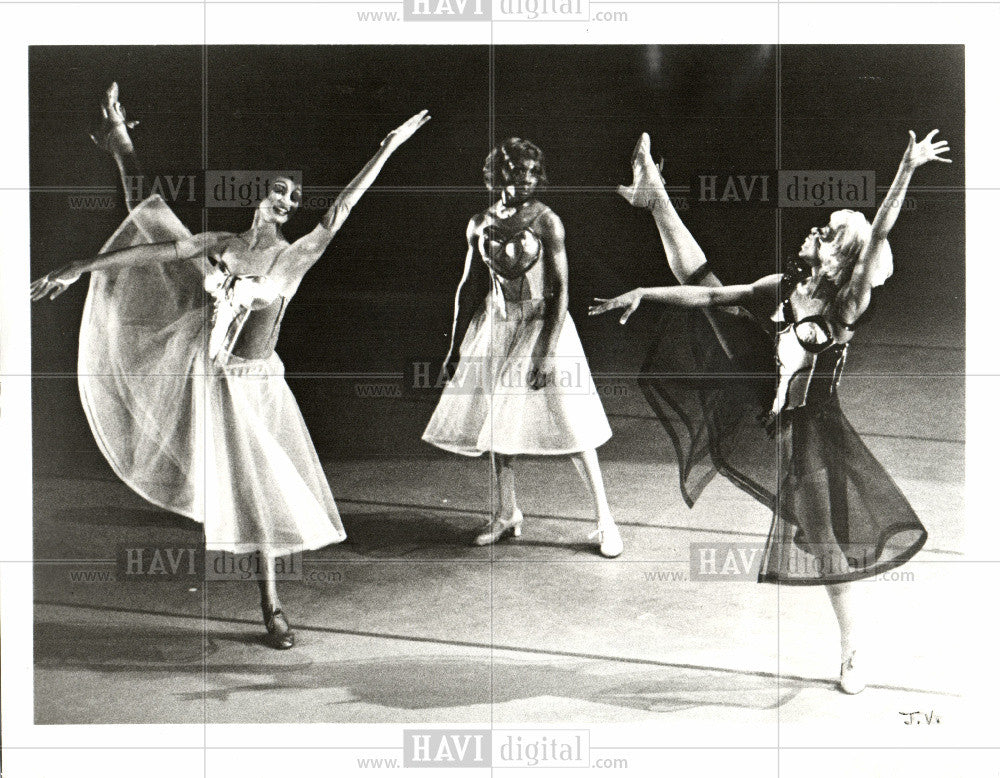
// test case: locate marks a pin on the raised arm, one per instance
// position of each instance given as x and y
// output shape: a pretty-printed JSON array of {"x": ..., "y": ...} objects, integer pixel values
[
  {"x": 854, "y": 300},
  {"x": 55, "y": 283},
  {"x": 690, "y": 296},
  {"x": 311, "y": 246}
]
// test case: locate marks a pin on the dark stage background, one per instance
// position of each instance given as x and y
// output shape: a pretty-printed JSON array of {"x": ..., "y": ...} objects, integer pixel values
[{"x": 380, "y": 298}]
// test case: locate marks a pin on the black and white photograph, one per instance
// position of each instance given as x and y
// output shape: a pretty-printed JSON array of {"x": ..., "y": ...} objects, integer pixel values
[{"x": 517, "y": 403}]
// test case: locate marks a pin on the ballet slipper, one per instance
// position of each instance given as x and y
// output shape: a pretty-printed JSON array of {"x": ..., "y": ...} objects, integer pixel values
[
  {"x": 279, "y": 634},
  {"x": 609, "y": 538},
  {"x": 851, "y": 677},
  {"x": 647, "y": 182},
  {"x": 112, "y": 134}
]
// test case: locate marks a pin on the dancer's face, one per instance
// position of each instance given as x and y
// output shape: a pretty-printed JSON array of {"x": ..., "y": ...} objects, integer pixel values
[
  {"x": 281, "y": 202},
  {"x": 820, "y": 248},
  {"x": 520, "y": 181}
]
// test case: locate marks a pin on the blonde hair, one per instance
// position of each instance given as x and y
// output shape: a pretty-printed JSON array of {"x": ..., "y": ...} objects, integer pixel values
[{"x": 855, "y": 233}]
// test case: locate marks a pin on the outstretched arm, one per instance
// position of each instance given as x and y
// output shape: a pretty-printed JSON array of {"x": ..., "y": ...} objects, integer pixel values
[
  {"x": 854, "y": 300},
  {"x": 55, "y": 283},
  {"x": 689, "y": 296},
  {"x": 311, "y": 246}
]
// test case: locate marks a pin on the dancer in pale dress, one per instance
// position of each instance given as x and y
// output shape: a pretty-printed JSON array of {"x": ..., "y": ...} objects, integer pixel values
[
  {"x": 177, "y": 370},
  {"x": 521, "y": 385},
  {"x": 838, "y": 515}
]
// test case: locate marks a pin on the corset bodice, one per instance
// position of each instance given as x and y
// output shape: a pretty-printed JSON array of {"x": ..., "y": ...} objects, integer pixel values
[
  {"x": 247, "y": 308},
  {"x": 805, "y": 377},
  {"x": 259, "y": 333},
  {"x": 513, "y": 254},
  {"x": 510, "y": 253},
  {"x": 808, "y": 357}
]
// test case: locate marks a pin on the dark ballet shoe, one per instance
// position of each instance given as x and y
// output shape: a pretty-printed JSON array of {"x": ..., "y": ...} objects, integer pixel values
[{"x": 279, "y": 634}]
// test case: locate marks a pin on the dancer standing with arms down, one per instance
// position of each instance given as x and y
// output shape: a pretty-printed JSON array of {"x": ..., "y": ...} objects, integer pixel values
[
  {"x": 522, "y": 385},
  {"x": 183, "y": 390},
  {"x": 838, "y": 516}
]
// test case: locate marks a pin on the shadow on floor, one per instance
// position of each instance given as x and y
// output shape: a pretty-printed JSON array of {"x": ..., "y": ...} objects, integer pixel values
[
  {"x": 395, "y": 682},
  {"x": 116, "y": 517}
]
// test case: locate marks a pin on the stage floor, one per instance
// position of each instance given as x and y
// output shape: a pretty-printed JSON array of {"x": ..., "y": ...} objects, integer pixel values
[{"x": 407, "y": 622}]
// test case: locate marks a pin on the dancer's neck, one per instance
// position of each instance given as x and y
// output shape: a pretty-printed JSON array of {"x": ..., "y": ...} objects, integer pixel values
[
  {"x": 262, "y": 233},
  {"x": 507, "y": 210}
]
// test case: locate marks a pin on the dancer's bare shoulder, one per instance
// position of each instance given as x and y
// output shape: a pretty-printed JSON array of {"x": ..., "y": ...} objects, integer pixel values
[
  {"x": 478, "y": 222},
  {"x": 547, "y": 223},
  {"x": 211, "y": 244}
]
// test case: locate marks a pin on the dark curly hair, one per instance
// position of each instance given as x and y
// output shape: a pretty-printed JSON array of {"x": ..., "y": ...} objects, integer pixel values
[{"x": 507, "y": 157}]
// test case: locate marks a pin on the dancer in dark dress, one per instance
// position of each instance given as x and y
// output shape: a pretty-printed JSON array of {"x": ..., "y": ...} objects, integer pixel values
[{"x": 838, "y": 516}]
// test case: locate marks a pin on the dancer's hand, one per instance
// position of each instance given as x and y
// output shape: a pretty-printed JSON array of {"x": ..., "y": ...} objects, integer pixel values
[
  {"x": 769, "y": 421},
  {"x": 56, "y": 282},
  {"x": 405, "y": 131},
  {"x": 628, "y": 301},
  {"x": 925, "y": 151},
  {"x": 540, "y": 372}
]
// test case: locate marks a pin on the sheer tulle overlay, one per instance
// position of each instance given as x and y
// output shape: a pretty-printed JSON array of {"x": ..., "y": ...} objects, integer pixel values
[
  {"x": 225, "y": 446},
  {"x": 838, "y": 515},
  {"x": 489, "y": 406},
  {"x": 710, "y": 399}
]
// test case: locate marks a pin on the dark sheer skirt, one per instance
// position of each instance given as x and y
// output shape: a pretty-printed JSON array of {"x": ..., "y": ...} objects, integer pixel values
[{"x": 838, "y": 515}]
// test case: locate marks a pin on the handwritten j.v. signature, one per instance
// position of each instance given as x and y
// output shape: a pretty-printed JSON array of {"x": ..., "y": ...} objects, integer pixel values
[{"x": 917, "y": 717}]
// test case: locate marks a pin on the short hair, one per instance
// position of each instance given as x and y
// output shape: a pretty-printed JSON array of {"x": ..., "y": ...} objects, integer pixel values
[
  {"x": 507, "y": 156},
  {"x": 855, "y": 235}
]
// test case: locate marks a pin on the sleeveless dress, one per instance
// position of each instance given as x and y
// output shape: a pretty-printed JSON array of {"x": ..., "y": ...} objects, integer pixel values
[
  {"x": 761, "y": 408},
  {"x": 214, "y": 435},
  {"x": 489, "y": 405}
]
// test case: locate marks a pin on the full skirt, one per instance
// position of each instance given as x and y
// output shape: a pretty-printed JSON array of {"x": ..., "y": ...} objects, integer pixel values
[
  {"x": 223, "y": 445},
  {"x": 837, "y": 514},
  {"x": 489, "y": 405}
]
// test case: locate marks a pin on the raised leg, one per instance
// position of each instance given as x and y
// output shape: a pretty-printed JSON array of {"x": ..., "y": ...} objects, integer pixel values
[
  {"x": 684, "y": 255},
  {"x": 112, "y": 136},
  {"x": 589, "y": 469}
]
